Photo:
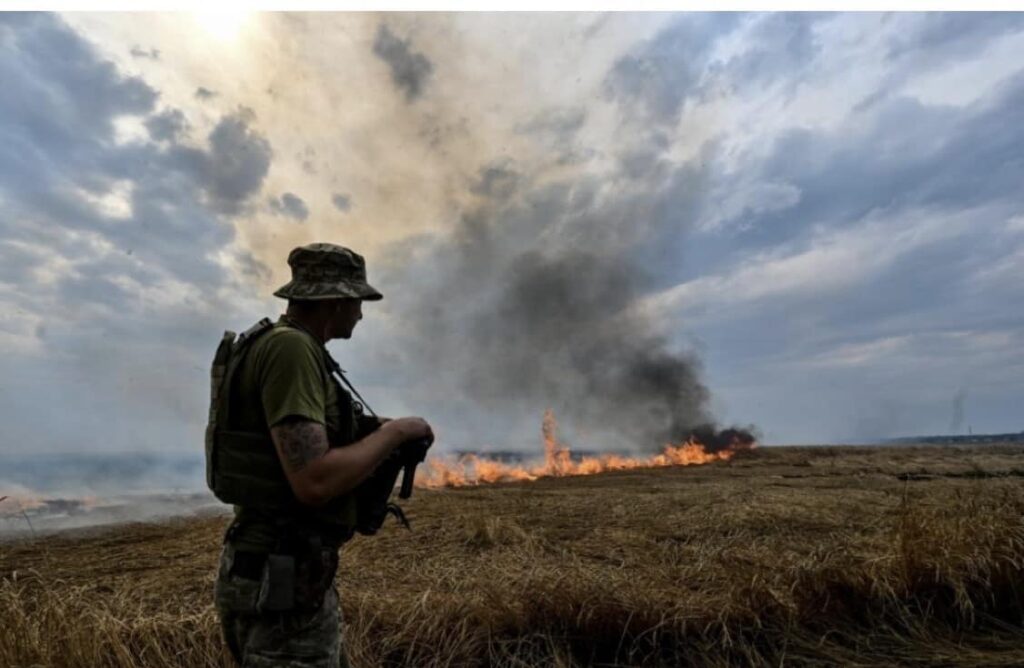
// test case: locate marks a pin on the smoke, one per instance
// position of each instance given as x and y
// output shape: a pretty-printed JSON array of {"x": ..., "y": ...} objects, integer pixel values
[
  {"x": 41, "y": 493},
  {"x": 532, "y": 306},
  {"x": 410, "y": 71}
]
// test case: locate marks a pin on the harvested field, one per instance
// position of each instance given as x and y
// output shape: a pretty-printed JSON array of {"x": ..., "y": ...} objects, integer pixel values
[{"x": 782, "y": 556}]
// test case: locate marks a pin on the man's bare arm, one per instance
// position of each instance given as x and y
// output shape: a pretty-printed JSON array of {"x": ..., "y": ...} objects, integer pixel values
[
  {"x": 318, "y": 473},
  {"x": 299, "y": 442}
]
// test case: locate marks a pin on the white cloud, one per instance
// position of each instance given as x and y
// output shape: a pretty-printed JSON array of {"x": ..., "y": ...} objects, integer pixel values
[
  {"x": 906, "y": 352},
  {"x": 965, "y": 82},
  {"x": 411, "y": 170},
  {"x": 130, "y": 130},
  {"x": 1001, "y": 272},
  {"x": 858, "y": 354},
  {"x": 735, "y": 199},
  {"x": 1015, "y": 224},
  {"x": 115, "y": 202},
  {"x": 834, "y": 259}
]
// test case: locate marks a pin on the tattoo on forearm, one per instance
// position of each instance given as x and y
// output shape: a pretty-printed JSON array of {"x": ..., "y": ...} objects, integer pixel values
[{"x": 300, "y": 443}]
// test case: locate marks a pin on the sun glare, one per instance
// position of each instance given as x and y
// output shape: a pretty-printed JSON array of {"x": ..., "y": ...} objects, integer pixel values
[{"x": 222, "y": 26}]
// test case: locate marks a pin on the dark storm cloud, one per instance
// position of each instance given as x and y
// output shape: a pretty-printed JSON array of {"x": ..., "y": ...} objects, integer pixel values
[
  {"x": 410, "y": 71},
  {"x": 167, "y": 125},
  {"x": 342, "y": 202},
  {"x": 290, "y": 205}
]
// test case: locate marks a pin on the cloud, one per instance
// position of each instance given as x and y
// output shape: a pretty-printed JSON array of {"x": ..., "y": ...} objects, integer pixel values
[
  {"x": 150, "y": 54},
  {"x": 833, "y": 262},
  {"x": 656, "y": 77},
  {"x": 840, "y": 269},
  {"x": 559, "y": 128},
  {"x": 167, "y": 125},
  {"x": 950, "y": 35},
  {"x": 290, "y": 206},
  {"x": 237, "y": 163},
  {"x": 121, "y": 252},
  {"x": 778, "y": 47},
  {"x": 534, "y": 285},
  {"x": 496, "y": 181},
  {"x": 410, "y": 71},
  {"x": 342, "y": 202},
  {"x": 38, "y": 54},
  {"x": 807, "y": 243}
]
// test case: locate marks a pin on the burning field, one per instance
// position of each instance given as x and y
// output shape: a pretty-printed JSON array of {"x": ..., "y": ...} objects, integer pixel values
[
  {"x": 775, "y": 556},
  {"x": 703, "y": 446}
]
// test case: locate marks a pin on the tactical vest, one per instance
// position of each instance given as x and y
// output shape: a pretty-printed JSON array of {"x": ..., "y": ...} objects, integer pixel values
[{"x": 243, "y": 467}]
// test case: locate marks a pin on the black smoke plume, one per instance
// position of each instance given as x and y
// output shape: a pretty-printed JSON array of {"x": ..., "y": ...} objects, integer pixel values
[{"x": 533, "y": 306}]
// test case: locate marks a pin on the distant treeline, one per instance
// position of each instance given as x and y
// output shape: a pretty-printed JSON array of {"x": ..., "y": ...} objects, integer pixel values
[{"x": 962, "y": 439}]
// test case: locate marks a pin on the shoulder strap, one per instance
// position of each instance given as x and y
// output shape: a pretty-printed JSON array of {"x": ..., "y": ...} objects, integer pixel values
[
  {"x": 254, "y": 331},
  {"x": 240, "y": 346},
  {"x": 337, "y": 370}
]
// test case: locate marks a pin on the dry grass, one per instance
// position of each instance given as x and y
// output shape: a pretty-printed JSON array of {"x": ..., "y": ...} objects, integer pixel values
[{"x": 788, "y": 556}]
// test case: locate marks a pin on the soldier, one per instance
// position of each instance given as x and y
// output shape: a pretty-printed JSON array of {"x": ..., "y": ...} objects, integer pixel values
[{"x": 288, "y": 446}]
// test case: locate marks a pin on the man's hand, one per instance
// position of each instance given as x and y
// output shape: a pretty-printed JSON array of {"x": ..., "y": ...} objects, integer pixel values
[{"x": 410, "y": 428}]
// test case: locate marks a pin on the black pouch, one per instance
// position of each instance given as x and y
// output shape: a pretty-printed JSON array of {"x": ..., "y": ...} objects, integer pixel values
[
  {"x": 277, "y": 585},
  {"x": 315, "y": 575}
]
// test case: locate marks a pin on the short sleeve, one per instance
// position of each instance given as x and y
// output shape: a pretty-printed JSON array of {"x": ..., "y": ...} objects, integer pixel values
[{"x": 291, "y": 379}]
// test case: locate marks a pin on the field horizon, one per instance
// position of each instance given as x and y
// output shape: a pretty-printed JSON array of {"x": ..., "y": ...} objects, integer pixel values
[{"x": 784, "y": 555}]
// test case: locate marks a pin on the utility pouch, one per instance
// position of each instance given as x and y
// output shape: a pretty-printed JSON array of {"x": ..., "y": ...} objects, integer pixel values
[
  {"x": 277, "y": 585},
  {"x": 315, "y": 577}
]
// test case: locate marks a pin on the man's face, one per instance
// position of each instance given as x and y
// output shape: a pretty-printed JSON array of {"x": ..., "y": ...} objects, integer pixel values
[{"x": 345, "y": 313}]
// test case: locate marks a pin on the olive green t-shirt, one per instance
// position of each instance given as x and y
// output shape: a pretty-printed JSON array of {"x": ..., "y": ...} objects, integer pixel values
[{"x": 284, "y": 375}]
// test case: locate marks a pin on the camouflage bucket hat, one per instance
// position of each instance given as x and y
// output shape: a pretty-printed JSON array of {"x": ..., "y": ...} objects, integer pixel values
[{"x": 327, "y": 271}]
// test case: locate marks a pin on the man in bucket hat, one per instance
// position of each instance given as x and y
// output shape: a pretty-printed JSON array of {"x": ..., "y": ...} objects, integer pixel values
[{"x": 287, "y": 445}]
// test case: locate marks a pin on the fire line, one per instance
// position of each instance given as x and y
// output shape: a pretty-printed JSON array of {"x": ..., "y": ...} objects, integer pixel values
[{"x": 558, "y": 461}]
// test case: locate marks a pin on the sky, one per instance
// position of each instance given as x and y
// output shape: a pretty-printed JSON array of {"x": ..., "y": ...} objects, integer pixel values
[{"x": 808, "y": 223}]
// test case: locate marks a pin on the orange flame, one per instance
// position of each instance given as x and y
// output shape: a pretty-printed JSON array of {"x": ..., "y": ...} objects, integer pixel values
[{"x": 476, "y": 470}]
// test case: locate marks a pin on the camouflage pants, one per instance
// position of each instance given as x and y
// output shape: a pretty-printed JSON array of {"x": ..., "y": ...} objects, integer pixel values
[{"x": 281, "y": 639}]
